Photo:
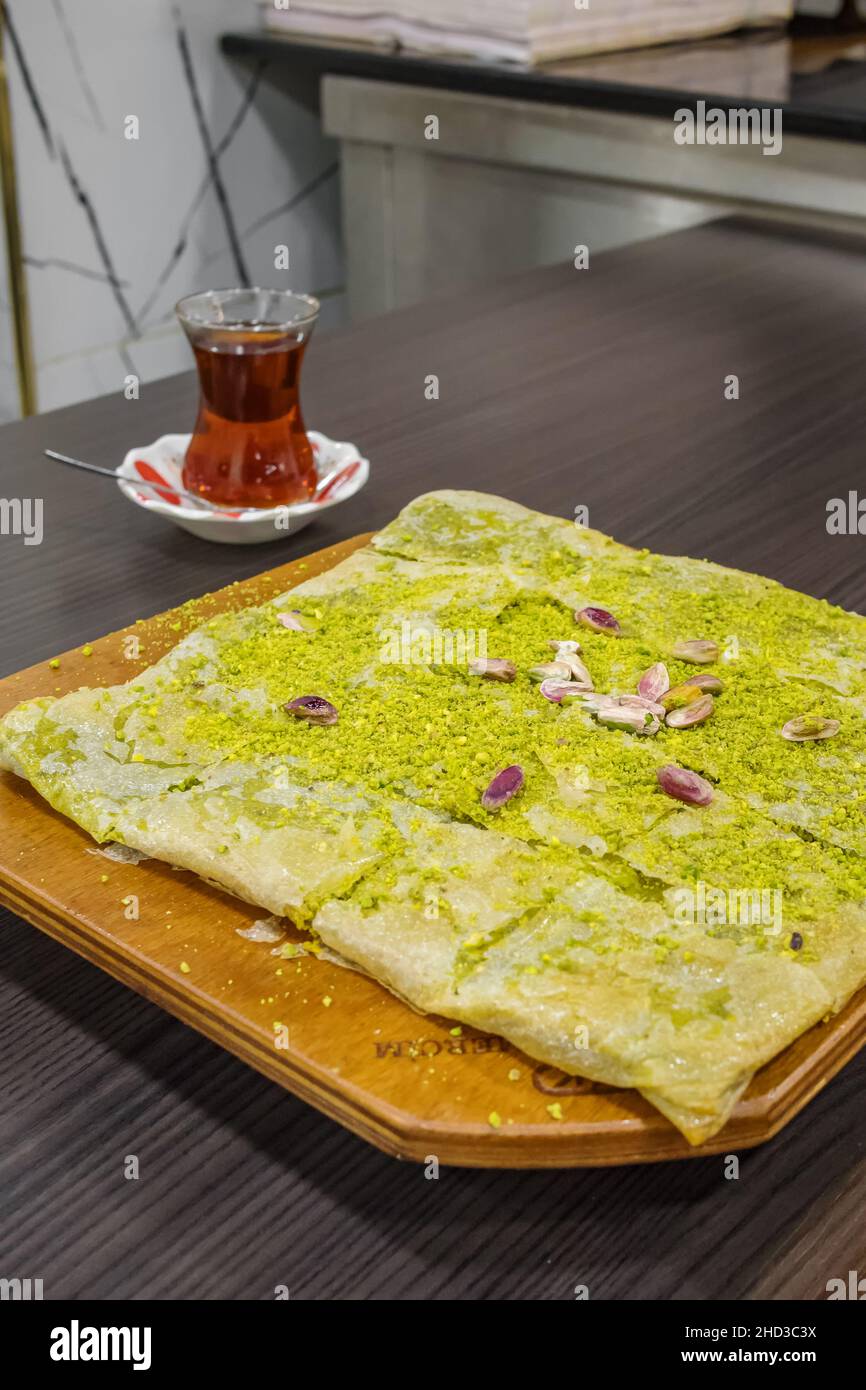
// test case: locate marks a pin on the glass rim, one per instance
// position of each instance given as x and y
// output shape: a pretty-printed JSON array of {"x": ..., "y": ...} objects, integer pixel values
[{"x": 298, "y": 320}]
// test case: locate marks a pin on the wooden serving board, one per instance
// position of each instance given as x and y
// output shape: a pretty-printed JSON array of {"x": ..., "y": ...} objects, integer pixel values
[{"x": 407, "y": 1083}]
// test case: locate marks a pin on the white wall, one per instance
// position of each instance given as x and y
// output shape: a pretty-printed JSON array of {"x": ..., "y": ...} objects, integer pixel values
[{"x": 96, "y": 205}]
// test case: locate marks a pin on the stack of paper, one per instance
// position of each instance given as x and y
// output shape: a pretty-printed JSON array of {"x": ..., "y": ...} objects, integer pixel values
[{"x": 518, "y": 30}]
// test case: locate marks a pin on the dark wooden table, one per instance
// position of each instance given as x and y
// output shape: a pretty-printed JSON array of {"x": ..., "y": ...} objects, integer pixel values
[{"x": 560, "y": 388}]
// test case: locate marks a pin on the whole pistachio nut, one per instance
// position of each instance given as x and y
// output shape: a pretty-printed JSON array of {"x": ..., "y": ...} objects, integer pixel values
[
  {"x": 577, "y": 669},
  {"x": 680, "y": 695},
  {"x": 593, "y": 700},
  {"x": 694, "y": 713},
  {"x": 697, "y": 650},
  {"x": 810, "y": 726},
  {"x": 503, "y": 787},
  {"x": 683, "y": 785},
  {"x": 568, "y": 647},
  {"x": 493, "y": 669},
  {"x": 654, "y": 682},
  {"x": 636, "y": 721},
  {"x": 598, "y": 620},
  {"x": 292, "y": 620},
  {"x": 640, "y": 702},
  {"x": 557, "y": 690},
  {"x": 313, "y": 708},
  {"x": 706, "y": 681},
  {"x": 550, "y": 670}
]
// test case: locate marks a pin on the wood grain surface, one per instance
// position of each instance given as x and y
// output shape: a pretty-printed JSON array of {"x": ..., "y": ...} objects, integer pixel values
[{"x": 558, "y": 389}]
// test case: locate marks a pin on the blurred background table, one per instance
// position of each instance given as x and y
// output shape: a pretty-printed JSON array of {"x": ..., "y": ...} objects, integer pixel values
[{"x": 538, "y": 159}]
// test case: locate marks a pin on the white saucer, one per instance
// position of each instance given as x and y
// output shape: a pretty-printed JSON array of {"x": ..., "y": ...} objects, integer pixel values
[{"x": 252, "y": 525}]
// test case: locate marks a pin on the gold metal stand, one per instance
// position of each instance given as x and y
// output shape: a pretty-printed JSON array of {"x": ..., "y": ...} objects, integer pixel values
[{"x": 14, "y": 254}]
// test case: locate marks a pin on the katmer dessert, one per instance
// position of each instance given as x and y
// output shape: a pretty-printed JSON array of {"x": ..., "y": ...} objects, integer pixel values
[{"x": 608, "y": 804}]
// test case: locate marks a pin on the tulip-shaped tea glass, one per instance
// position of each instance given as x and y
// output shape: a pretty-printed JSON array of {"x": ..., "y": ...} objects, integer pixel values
[{"x": 249, "y": 447}]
